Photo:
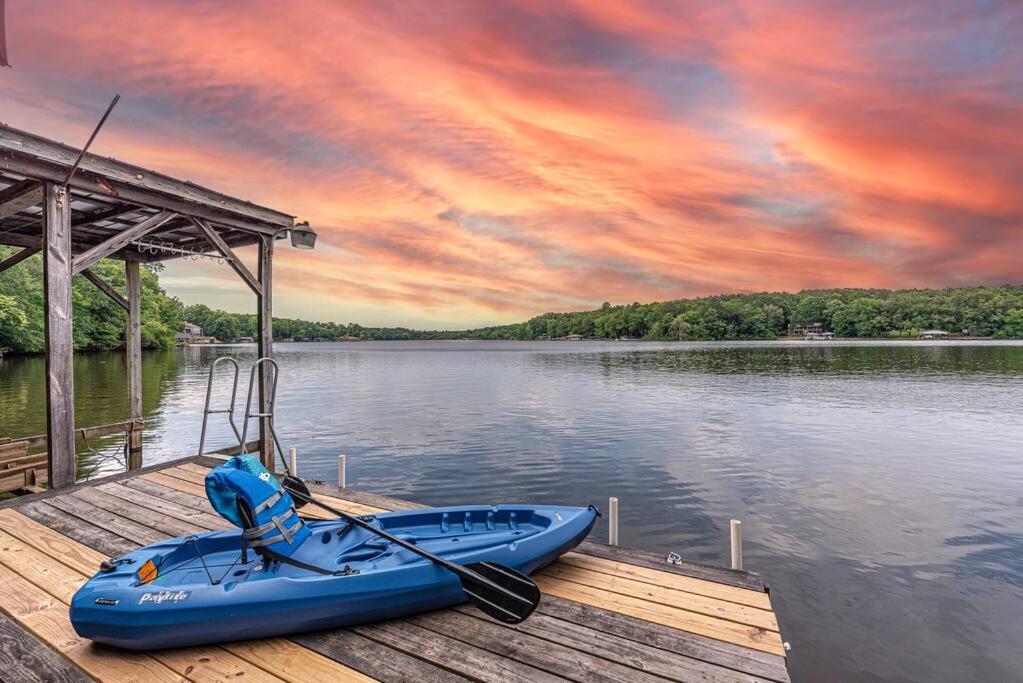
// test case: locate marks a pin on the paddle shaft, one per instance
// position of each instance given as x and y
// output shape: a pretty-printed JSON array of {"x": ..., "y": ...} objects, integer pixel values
[{"x": 456, "y": 569}]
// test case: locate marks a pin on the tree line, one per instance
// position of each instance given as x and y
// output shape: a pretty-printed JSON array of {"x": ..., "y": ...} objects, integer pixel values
[{"x": 99, "y": 322}]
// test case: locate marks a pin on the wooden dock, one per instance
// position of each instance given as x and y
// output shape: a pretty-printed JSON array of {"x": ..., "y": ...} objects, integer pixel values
[{"x": 608, "y": 614}]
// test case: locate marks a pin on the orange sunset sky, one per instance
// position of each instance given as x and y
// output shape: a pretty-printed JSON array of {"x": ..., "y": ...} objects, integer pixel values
[{"x": 471, "y": 163}]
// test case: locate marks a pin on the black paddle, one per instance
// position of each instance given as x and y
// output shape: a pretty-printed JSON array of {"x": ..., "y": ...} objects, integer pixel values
[{"x": 501, "y": 592}]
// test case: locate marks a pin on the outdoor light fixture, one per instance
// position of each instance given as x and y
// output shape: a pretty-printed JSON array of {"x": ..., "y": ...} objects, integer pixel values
[{"x": 303, "y": 236}]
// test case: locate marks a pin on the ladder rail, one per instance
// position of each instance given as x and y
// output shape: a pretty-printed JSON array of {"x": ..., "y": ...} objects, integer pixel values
[
  {"x": 268, "y": 413},
  {"x": 207, "y": 411}
]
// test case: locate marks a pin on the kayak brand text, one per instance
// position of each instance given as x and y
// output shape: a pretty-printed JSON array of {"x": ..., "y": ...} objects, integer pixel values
[{"x": 163, "y": 596}]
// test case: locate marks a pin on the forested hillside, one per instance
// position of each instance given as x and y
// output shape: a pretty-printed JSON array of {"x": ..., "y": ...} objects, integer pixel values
[{"x": 98, "y": 321}]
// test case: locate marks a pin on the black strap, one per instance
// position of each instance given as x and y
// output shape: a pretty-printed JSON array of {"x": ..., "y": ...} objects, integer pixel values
[{"x": 302, "y": 565}]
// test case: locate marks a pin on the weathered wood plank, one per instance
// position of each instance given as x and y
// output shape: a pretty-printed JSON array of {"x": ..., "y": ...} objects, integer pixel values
[
  {"x": 369, "y": 656},
  {"x": 552, "y": 657},
  {"x": 133, "y": 351},
  {"x": 77, "y": 529},
  {"x": 17, "y": 257},
  {"x": 689, "y": 645},
  {"x": 104, "y": 286},
  {"x": 597, "y": 640},
  {"x": 205, "y": 663},
  {"x": 20, "y": 196},
  {"x": 728, "y": 631},
  {"x": 662, "y": 595},
  {"x": 657, "y": 577},
  {"x": 76, "y": 555},
  {"x": 153, "y": 517},
  {"x": 47, "y": 618},
  {"x": 60, "y": 381},
  {"x": 112, "y": 523},
  {"x": 292, "y": 662},
  {"x": 25, "y": 659},
  {"x": 163, "y": 499},
  {"x": 730, "y": 577},
  {"x": 452, "y": 654}
]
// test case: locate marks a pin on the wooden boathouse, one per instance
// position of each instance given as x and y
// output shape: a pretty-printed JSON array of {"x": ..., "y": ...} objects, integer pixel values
[
  {"x": 608, "y": 614},
  {"x": 77, "y": 208}
]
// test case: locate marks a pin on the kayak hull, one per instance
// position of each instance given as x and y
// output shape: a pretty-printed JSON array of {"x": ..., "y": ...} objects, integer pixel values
[{"x": 204, "y": 593}]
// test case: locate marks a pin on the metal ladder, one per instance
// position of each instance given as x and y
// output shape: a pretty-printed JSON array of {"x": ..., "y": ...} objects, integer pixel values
[{"x": 269, "y": 414}]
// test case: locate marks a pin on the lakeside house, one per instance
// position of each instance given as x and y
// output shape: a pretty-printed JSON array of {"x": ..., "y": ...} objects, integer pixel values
[
  {"x": 933, "y": 334},
  {"x": 192, "y": 334},
  {"x": 804, "y": 330}
]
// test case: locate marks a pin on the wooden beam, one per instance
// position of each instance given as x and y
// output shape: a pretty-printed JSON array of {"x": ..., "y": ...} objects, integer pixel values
[
  {"x": 37, "y": 157},
  {"x": 104, "y": 215},
  {"x": 60, "y": 381},
  {"x": 264, "y": 322},
  {"x": 12, "y": 239},
  {"x": 105, "y": 287},
  {"x": 232, "y": 259},
  {"x": 20, "y": 196},
  {"x": 120, "y": 240},
  {"x": 133, "y": 349},
  {"x": 15, "y": 259}
]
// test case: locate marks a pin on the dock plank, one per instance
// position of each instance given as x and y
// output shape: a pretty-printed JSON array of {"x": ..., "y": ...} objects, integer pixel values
[
  {"x": 25, "y": 659},
  {"x": 692, "y": 602},
  {"x": 630, "y": 653},
  {"x": 143, "y": 514},
  {"x": 167, "y": 506},
  {"x": 113, "y": 523},
  {"x": 689, "y": 645},
  {"x": 641, "y": 558},
  {"x": 47, "y": 618},
  {"x": 363, "y": 654},
  {"x": 728, "y": 631},
  {"x": 454, "y": 655},
  {"x": 658, "y": 577},
  {"x": 76, "y": 528},
  {"x": 551, "y": 656}
]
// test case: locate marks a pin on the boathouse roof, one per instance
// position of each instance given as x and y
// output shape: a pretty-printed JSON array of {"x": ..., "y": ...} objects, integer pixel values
[{"x": 110, "y": 197}]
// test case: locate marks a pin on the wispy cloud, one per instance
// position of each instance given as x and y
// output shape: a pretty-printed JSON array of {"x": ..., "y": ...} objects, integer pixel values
[{"x": 478, "y": 162}]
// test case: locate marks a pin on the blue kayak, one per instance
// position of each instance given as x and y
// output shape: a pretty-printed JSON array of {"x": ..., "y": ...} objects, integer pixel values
[{"x": 204, "y": 588}]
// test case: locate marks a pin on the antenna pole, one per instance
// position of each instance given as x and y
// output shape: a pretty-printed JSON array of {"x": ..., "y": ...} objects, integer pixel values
[{"x": 81, "y": 155}]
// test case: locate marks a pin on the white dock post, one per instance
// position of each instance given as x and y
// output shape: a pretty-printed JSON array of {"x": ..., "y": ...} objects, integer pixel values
[
  {"x": 293, "y": 461},
  {"x": 341, "y": 471},
  {"x": 612, "y": 521},
  {"x": 736, "y": 528}
]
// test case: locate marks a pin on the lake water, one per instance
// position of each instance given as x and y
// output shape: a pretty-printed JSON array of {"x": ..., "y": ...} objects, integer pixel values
[{"x": 880, "y": 485}]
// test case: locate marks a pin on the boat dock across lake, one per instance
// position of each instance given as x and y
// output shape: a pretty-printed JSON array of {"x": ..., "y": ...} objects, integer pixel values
[{"x": 608, "y": 613}]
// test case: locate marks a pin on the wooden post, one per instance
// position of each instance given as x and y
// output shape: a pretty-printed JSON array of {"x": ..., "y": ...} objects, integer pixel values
[
  {"x": 264, "y": 320},
  {"x": 736, "y": 529},
  {"x": 133, "y": 350},
  {"x": 60, "y": 384},
  {"x": 612, "y": 521},
  {"x": 341, "y": 471},
  {"x": 293, "y": 461}
]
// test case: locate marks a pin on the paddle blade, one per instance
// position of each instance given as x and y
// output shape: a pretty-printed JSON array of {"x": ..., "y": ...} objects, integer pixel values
[
  {"x": 512, "y": 600},
  {"x": 292, "y": 483}
]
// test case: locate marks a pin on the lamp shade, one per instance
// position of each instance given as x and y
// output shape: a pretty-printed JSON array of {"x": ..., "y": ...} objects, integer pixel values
[{"x": 303, "y": 236}]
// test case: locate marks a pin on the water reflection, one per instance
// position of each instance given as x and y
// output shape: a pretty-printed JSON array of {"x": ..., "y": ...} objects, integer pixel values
[{"x": 878, "y": 484}]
